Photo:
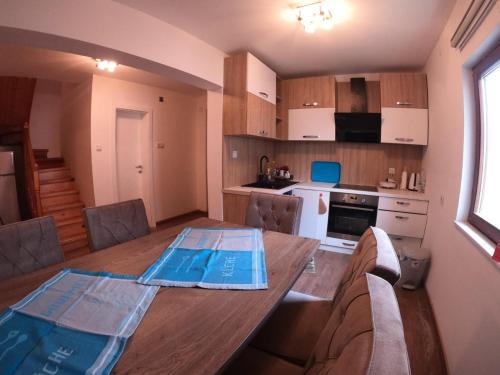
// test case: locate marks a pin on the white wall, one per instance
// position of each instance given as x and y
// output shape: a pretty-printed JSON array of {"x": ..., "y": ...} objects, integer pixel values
[
  {"x": 75, "y": 136},
  {"x": 105, "y": 28},
  {"x": 463, "y": 283},
  {"x": 179, "y": 167},
  {"x": 214, "y": 154},
  {"x": 45, "y": 119}
]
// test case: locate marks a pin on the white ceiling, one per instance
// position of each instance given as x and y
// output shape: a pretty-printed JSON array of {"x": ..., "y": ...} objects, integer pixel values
[
  {"x": 379, "y": 35},
  {"x": 70, "y": 68}
]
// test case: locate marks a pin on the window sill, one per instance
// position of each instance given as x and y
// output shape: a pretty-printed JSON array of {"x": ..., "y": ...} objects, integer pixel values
[{"x": 484, "y": 244}]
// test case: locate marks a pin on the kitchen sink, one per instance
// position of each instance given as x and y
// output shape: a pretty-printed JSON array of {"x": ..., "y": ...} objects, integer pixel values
[{"x": 275, "y": 185}]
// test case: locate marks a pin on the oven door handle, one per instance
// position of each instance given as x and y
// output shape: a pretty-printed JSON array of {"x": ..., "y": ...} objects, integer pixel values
[{"x": 353, "y": 208}]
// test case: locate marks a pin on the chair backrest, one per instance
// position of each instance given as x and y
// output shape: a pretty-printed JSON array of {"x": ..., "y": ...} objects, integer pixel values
[
  {"x": 364, "y": 334},
  {"x": 116, "y": 223},
  {"x": 27, "y": 246},
  {"x": 374, "y": 254},
  {"x": 279, "y": 213}
]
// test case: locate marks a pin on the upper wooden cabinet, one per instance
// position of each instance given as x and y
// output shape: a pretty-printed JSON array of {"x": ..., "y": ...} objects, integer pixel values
[
  {"x": 311, "y": 92},
  {"x": 249, "y": 97},
  {"x": 403, "y": 90}
]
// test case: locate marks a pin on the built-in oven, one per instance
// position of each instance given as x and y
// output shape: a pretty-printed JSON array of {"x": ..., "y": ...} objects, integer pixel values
[{"x": 350, "y": 214}]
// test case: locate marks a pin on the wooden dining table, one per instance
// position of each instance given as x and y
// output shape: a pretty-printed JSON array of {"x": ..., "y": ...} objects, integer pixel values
[{"x": 186, "y": 330}]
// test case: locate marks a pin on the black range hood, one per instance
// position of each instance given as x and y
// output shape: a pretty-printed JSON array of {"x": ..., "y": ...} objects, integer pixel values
[{"x": 358, "y": 125}]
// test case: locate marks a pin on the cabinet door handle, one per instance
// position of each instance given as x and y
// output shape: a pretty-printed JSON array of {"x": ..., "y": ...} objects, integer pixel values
[
  {"x": 348, "y": 244},
  {"x": 404, "y": 139},
  {"x": 402, "y": 217},
  {"x": 264, "y": 94},
  {"x": 404, "y": 103},
  {"x": 403, "y": 203},
  {"x": 313, "y": 104},
  {"x": 310, "y": 136}
]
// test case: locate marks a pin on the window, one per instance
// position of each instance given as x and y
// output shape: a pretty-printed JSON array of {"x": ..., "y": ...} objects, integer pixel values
[{"x": 485, "y": 205}]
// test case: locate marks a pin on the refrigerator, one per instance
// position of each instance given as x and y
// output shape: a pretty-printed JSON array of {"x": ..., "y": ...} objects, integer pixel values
[{"x": 9, "y": 209}]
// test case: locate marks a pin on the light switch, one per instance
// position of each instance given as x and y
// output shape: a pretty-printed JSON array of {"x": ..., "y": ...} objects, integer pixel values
[
  {"x": 234, "y": 154},
  {"x": 392, "y": 170},
  {"x": 98, "y": 148}
]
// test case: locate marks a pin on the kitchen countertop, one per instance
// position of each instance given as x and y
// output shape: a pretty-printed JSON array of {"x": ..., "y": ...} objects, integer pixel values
[{"x": 381, "y": 192}]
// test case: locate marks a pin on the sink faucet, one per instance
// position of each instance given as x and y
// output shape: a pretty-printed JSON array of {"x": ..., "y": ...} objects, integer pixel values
[{"x": 262, "y": 158}]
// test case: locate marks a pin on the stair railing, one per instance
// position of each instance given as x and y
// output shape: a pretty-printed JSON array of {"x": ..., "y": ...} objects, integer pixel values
[{"x": 31, "y": 174}]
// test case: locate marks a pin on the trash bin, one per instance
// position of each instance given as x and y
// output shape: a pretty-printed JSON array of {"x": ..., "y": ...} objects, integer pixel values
[{"x": 414, "y": 264}]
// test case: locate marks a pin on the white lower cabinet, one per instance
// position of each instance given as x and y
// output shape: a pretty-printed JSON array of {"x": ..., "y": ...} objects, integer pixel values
[
  {"x": 312, "y": 223},
  {"x": 402, "y": 223},
  {"x": 402, "y": 243}
]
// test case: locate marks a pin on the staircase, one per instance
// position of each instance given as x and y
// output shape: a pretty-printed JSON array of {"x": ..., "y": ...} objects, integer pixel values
[{"x": 61, "y": 199}]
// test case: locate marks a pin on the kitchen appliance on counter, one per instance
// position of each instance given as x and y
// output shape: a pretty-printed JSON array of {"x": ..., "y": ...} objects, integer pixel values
[
  {"x": 350, "y": 214},
  {"x": 275, "y": 185},
  {"x": 9, "y": 209}
]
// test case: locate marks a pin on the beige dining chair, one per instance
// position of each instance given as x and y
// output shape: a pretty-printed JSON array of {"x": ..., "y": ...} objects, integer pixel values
[
  {"x": 27, "y": 246},
  {"x": 278, "y": 213},
  {"x": 363, "y": 335},
  {"x": 116, "y": 223},
  {"x": 296, "y": 324}
]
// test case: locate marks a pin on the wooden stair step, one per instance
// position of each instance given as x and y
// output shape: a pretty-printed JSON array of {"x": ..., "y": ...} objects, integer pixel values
[
  {"x": 57, "y": 186},
  {"x": 72, "y": 239},
  {"x": 58, "y": 193},
  {"x": 56, "y": 180},
  {"x": 53, "y": 173},
  {"x": 69, "y": 221},
  {"x": 61, "y": 207},
  {"x": 50, "y": 163},
  {"x": 60, "y": 197},
  {"x": 40, "y": 153},
  {"x": 60, "y": 216},
  {"x": 69, "y": 231},
  {"x": 78, "y": 252}
]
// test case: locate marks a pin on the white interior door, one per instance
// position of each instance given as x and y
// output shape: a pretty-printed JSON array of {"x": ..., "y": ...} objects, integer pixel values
[{"x": 134, "y": 158}]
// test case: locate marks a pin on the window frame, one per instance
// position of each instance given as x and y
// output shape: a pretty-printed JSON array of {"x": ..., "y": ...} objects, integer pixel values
[{"x": 478, "y": 222}]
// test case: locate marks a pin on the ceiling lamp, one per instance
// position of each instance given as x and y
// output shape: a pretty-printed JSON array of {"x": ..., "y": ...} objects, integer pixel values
[
  {"x": 108, "y": 65},
  {"x": 315, "y": 15}
]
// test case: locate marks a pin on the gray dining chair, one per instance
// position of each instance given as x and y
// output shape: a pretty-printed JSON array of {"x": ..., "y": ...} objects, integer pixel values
[
  {"x": 116, "y": 223},
  {"x": 278, "y": 213},
  {"x": 27, "y": 246}
]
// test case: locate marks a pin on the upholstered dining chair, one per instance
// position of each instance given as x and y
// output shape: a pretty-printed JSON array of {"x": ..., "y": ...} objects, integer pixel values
[
  {"x": 363, "y": 335},
  {"x": 27, "y": 246},
  {"x": 295, "y": 326},
  {"x": 116, "y": 223},
  {"x": 278, "y": 213}
]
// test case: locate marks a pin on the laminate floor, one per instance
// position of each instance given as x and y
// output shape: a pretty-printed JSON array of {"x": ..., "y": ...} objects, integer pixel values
[{"x": 422, "y": 339}]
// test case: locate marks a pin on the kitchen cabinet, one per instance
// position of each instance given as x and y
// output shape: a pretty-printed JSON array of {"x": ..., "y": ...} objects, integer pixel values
[
  {"x": 402, "y": 217},
  {"x": 403, "y": 90},
  {"x": 312, "y": 223},
  {"x": 235, "y": 208},
  {"x": 315, "y": 124},
  {"x": 404, "y": 108},
  {"x": 249, "y": 106},
  {"x": 404, "y": 125},
  {"x": 311, "y": 92}
]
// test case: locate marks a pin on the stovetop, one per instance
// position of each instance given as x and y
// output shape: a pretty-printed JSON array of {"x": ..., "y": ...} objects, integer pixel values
[{"x": 356, "y": 187}]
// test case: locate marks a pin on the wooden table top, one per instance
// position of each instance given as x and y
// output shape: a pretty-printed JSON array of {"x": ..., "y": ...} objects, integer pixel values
[{"x": 185, "y": 330}]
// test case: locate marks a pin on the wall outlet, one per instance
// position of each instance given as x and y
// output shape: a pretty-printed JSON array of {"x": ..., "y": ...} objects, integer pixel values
[
  {"x": 392, "y": 170},
  {"x": 234, "y": 154}
]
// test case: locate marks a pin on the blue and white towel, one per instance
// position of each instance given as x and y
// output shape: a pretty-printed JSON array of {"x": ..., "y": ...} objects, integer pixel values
[
  {"x": 211, "y": 258},
  {"x": 75, "y": 323}
]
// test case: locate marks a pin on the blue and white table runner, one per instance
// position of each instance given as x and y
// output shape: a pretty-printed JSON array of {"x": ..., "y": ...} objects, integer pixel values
[
  {"x": 75, "y": 323},
  {"x": 211, "y": 258}
]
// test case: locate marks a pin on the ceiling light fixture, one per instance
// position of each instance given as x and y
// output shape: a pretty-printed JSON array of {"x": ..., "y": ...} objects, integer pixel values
[
  {"x": 108, "y": 65},
  {"x": 324, "y": 14}
]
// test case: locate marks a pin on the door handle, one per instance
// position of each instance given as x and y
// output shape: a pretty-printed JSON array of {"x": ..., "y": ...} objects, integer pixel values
[
  {"x": 403, "y": 103},
  {"x": 264, "y": 94},
  {"x": 348, "y": 244},
  {"x": 138, "y": 166}
]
